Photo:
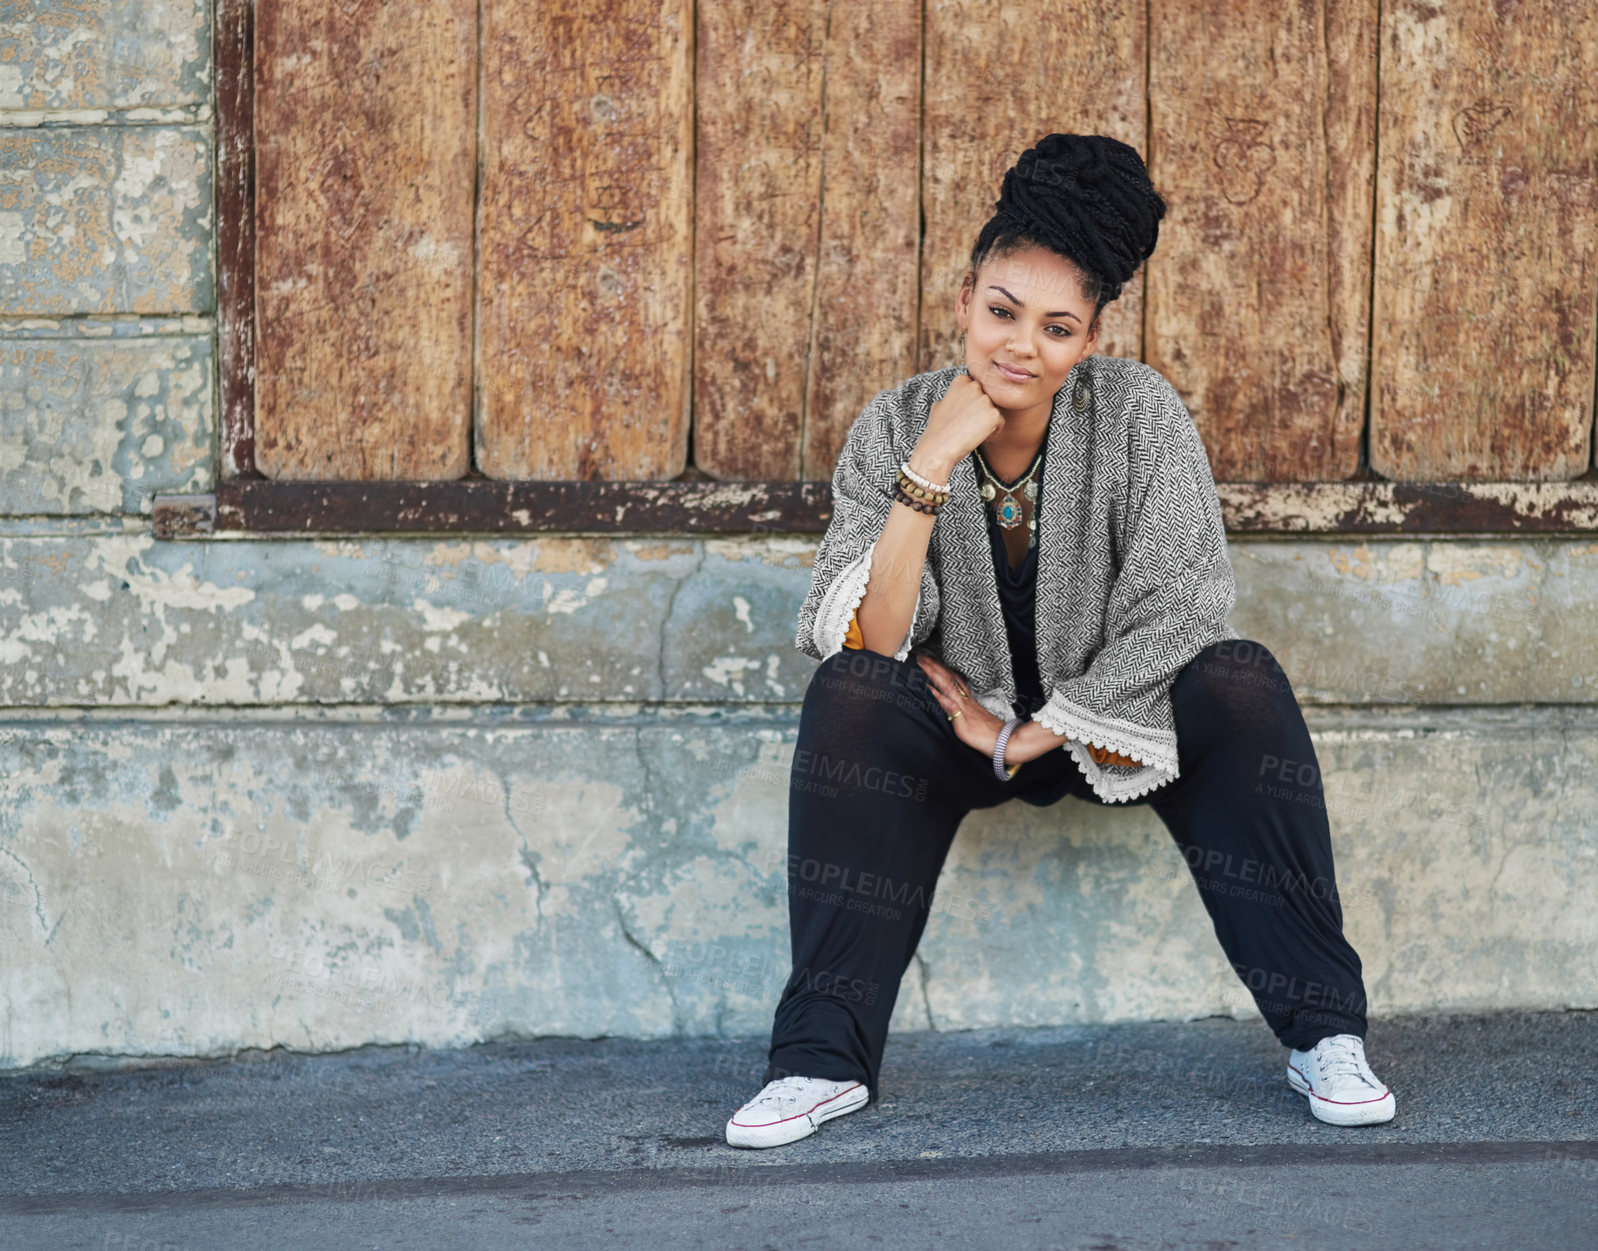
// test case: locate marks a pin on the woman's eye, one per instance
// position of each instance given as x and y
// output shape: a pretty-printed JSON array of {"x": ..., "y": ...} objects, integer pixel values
[{"x": 1000, "y": 311}]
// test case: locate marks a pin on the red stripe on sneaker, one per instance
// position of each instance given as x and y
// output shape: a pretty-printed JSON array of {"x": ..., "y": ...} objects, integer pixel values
[
  {"x": 797, "y": 1115},
  {"x": 1350, "y": 1103},
  {"x": 1342, "y": 1103}
]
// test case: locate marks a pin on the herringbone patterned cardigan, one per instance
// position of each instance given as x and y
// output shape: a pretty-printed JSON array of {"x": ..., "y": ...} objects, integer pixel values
[{"x": 1133, "y": 575}]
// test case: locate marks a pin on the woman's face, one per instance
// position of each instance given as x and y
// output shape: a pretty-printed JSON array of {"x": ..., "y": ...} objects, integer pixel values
[{"x": 1026, "y": 326}]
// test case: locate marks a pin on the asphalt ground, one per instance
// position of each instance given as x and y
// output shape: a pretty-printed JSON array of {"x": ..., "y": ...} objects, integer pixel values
[{"x": 1153, "y": 1135}]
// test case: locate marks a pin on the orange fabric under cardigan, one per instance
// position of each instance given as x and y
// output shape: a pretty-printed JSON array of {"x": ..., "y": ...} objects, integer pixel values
[{"x": 1102, "y": 755}]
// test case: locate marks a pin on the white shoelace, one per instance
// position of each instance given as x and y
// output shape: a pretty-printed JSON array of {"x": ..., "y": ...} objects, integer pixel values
[
  {"x": 1343, "y": 1055},
  {"x": 785, "y": 1090}
]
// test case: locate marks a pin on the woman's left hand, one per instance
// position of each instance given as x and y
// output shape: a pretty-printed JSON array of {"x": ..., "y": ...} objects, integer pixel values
[{"x": 977, "y": 727}]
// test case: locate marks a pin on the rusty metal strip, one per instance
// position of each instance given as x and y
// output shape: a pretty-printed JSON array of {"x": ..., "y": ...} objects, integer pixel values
[
  {"x": 183, "y": 516},
  {"x": 235, "y": 237},
  {"x": 1411, "y": 507},
  {"x": 480, "y": 506}
]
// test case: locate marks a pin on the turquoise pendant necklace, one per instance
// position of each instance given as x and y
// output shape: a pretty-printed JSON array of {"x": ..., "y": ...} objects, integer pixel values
[{"x": 1007, "y": 510}]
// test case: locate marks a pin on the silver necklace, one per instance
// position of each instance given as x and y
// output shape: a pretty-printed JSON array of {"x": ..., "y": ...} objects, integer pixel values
[{"x": 1007, "y": 509}]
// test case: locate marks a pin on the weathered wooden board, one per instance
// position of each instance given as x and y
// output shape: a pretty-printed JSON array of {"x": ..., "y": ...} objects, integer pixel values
[
  {"x": 864, "y": 328},
  {"x": 1487, "y": 221},
  {"x": 482, "y": 506},
  {"x": 1263, "y": 130},
  {"x": 806, "y": 227},
  {"x": 585, "y": 240},
  {"x": 999, "y": 78},
  {"x": 365, "y": 149}
]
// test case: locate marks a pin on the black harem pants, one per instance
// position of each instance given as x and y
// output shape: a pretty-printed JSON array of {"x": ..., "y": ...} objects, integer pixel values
[{"x": 880, "y": 782}]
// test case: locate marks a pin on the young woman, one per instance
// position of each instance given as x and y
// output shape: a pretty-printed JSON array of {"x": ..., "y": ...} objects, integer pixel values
[{"x": 1040, "y": 527}]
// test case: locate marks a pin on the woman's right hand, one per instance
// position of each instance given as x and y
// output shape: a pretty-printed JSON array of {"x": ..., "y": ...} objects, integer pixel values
[{"x": 962, "y": 419}]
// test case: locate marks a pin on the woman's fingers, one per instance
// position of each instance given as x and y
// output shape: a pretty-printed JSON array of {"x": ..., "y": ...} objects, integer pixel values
[
  {"x": 943, "y": 688},
  {"x": 945, "y": 679}
]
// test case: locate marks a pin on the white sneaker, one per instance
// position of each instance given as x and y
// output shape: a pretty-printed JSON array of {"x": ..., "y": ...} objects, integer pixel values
[
  {"x": 1342, "y": 1089},
  {"x": 792, "y": 1108}
]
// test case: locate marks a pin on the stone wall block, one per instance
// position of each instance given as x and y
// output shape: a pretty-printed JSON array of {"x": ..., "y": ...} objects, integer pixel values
[
  {"x": 105, "y": 219},
  {"x": 103, "y": 425}
]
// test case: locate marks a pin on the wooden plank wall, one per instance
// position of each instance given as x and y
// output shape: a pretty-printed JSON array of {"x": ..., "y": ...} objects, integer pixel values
[
  {"x": 863, "y": 333},
  {"x": 758, "y": 204},
  {"x": 999, "y": 78},
  {"x": 585, "y": 230},
  {"x": 366, "y": 148},
  {"x": 809, "y": 116},
  {"x": 1487, "y": 226},
  {"x": 735, "y": 222},
  {"x": 1262, "y": 144}
]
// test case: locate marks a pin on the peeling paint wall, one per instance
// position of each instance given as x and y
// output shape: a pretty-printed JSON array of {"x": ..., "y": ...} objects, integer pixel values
[
  {"x": 322, "y": 793},
  {"x": 105, "y": 219},
  {"x": 101, "y": 415},
  {"x": 68, "y": 55},
  {"x": 115, "y": 618},
  {"x": 318, "y": 793},
  {"x": 184, "y": 885}
]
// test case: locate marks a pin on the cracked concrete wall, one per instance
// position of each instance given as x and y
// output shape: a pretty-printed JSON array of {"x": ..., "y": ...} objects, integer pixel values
[
  {"x": 318, "y": 794},
  {"x": 190, "y": 885}
]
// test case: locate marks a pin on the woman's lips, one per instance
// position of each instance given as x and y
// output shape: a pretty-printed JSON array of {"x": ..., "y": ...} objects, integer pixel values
[{"x": 1014, "y": 375}]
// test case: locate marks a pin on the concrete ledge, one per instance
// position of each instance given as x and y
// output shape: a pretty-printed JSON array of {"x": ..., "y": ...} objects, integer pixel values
[
  {"x": 192, "y": 885},
  {"x": 123, "y": 620}
]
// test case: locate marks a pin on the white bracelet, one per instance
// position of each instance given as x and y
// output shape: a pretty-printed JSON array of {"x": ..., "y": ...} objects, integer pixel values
[{"x": 919, "y": 480}]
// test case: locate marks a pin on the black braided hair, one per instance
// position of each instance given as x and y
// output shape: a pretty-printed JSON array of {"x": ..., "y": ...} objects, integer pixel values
[{"x": 1087, "y": 198}]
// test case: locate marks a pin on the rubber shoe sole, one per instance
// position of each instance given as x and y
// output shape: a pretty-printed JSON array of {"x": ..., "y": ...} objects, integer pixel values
[
  {"x": 1366, "y": 1112},
  {"x": 800, "y": 1125}
]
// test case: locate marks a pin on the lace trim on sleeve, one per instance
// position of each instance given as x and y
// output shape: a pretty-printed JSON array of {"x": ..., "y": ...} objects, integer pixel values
[
  {"x": 1153, "y": 749},
  {"x": 841, "y": 600}
]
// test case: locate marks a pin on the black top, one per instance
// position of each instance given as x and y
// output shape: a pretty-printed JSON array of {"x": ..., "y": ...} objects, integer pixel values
[{"x": 1017, "y": 600}]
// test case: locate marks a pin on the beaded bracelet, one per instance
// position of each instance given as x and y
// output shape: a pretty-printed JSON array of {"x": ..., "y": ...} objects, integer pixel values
[
  {"x": 911, "y": 487},
  {"x": 919, "y": 505},
  {"x": 914, "y": 488},
  {"x": 910, "y": 473},
  {"x": 915, "y": 492}
]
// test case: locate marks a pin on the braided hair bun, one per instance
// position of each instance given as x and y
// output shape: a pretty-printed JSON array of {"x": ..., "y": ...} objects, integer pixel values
[{"x": 1086, "y": 197}]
